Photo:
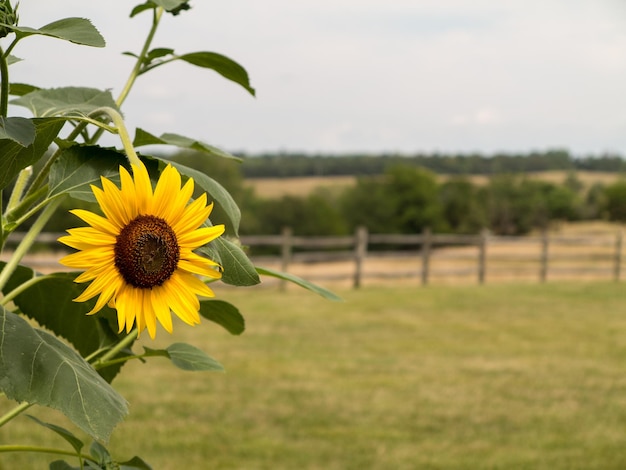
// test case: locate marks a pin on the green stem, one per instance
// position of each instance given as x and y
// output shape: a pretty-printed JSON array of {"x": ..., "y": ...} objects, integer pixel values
[
  {"x": 14, "y": 412},
  {"x": 21, "y": 288},
  {"x": 127, "y": 341},
  {"x": 28, "y": 241},
  {"x": 156, "y": 17},
  {"x": 118, "y": 121},
  {"x": 4, "y": 85},
  {"x": 45, "y": 450},
  {"x": 102, "y": 365},
  {"x": 25, "y": 204}
]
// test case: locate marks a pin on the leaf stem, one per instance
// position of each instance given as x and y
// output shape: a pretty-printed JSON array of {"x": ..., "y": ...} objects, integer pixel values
[
  {"x": 127, "y": 341},
  {"x": 21, "y": 288},
  {"x": 45, "y": 450},
  {"x": 14, "y": 412},
  {"x": 28, "y": 241}
]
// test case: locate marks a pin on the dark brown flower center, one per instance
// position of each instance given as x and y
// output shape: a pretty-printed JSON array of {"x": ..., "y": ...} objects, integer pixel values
[{"x": 146, "y": 251}]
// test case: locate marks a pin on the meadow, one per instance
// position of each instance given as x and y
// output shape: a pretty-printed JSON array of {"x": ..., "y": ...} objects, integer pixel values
[
  {"x": 500, "y": 376},
  {"x": 302, "y": 186}
]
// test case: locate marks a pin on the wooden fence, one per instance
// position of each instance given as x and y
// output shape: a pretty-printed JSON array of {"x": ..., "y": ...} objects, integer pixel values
[
  {"x": 445, "y": 257},
  {"x": 426, "y": 256}
]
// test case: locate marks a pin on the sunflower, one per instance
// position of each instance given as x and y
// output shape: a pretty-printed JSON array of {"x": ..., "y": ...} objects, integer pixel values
[{"x": 139, "y": 256}]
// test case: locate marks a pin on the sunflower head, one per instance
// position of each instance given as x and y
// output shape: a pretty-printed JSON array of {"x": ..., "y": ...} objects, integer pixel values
[{"x": 139, "y": 255}]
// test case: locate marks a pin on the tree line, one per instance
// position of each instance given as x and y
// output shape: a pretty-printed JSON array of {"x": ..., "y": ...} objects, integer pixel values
[
  {"x": 407, "y": 198},
  {"x": 299, "y": 164}
]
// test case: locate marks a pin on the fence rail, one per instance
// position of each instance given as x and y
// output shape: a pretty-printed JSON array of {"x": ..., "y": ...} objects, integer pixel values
[
  {"x": 428, "y": 256},
  {"x": 482, "y": 256}
]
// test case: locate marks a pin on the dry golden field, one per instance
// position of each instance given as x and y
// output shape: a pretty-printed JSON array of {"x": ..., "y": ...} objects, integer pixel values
[{"x": 277, "y": 187}]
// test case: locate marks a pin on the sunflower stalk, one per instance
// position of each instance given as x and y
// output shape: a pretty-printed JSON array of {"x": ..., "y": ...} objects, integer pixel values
[
  {"x": 28, "y": 241},
  {"x": 118, "y": 121}
]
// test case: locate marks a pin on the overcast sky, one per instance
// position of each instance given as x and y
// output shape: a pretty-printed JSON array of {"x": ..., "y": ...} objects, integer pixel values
[{"x": 337, "y": 76}]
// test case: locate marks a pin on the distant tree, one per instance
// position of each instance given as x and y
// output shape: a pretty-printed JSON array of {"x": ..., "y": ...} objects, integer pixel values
[
  {"x": 404, "y": 200},
  {"x": 461, "y": 207},
  {"x": 615, "y": 201}
]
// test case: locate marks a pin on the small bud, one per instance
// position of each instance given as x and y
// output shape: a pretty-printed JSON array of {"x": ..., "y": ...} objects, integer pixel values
[{"x": 8, "y": 16}]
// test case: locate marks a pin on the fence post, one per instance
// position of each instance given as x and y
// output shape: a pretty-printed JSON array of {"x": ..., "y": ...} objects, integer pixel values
[
  {"x": 482, "y": 255},
  {"x": 617, "y": 266},
  {"x": 285, "y": 257},
  {"x": 360, "y": 252},
  {"x": 543, "y": 268},
  {"x": 427, "y": 241}
]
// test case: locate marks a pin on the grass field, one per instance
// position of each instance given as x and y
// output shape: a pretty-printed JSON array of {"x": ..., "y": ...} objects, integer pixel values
[
  {"x": 302, "y": 186},
  {"x": 445, "y": 377}
]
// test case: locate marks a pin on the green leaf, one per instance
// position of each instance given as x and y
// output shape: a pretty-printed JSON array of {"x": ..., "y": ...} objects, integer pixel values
[
  {"x": 20, "y": 89},
  {"x": 188, "y": 357},
  {"x": 62, "y": 465},
  {"x": 145, "y": 138},
  {"x": 76, "y": 30},
  {"x": 14, "y": 157},
  {"x": 72, "y": 102},
  {"x": 54, "y": 293},
  {"x": 224, "y": 314},
  {"x": 217, "y": 192},
  {"x": 78, "y": 167},
  {"x": 135, "y": 464},
  {"x": 238, "y": 269},
  {"x": 75, "y": 442},
  {"x": 18, "y": 129},
  {"x": 36, "y": 367},
  {"x": 168, "y": 5},
  {"x": 221, "y": 64},
  {"x": 300, "y": 282}
]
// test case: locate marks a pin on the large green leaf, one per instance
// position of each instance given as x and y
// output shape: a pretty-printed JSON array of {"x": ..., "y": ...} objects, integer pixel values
[
  {"x": 221, "y": 64},
  {"x": 224, "y": 314},
  {"x": 76, "y": 30},
  {"x": 71, "y": 102},
  {"x": 78, "y": 167},
  {"x": 238, "y": 269},
  {"x": 49, "y": 302},
  {"x": 14, "y": 157},
  {"x": 18, "y": 129},
  {"x": 145, "y": 138},
  {"x": 36, "y": 367},
  {"x": 217, "y": 192},
  {"x": 300, "y": 282}
]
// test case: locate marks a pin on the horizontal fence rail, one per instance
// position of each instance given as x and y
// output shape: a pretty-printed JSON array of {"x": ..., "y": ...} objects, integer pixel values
[{"x": 426, "y": 256}]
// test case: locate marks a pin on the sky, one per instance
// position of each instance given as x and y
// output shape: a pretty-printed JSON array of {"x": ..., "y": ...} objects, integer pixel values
[{"x": 360, "y": 76}]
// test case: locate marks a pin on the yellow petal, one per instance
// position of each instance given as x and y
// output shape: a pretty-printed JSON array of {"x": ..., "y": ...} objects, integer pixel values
[
  {"x": 161, "y": 308},
  {"x": 179, "y": 203},
  {"x": 129, "y": 198},
  {"x": 148, "y": 312},
  {"x": 96, "y": 221},
  {"x": 143, "y": 189},
  {"x": 200, "y": 237},
  {"x": 168, "y": 185},
  {"x": 195, "y": 215},
  {"x": 181, "y": 300},
  {"x": 199, "y": 268}
]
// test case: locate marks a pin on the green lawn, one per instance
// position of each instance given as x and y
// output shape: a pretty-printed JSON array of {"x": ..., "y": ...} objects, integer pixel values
[{"x": 473, "y": 377}]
